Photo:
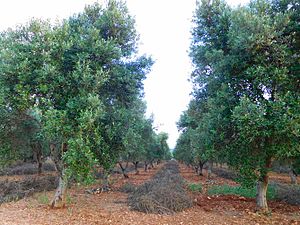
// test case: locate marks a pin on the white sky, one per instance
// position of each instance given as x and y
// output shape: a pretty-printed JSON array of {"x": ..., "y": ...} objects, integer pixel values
[{"x": 164, "y": 27}]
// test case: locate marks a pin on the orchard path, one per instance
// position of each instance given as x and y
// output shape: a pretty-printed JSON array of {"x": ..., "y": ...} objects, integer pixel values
[{"x": 111, "y": 208}]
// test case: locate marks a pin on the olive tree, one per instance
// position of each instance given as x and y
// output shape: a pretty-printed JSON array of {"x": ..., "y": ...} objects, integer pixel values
[
  {"x": 245, "y": 74},
  {"x": 75, "y": 73}
]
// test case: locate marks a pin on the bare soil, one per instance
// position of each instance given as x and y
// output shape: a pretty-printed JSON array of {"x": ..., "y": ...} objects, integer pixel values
[{"x": 112, "y": 208}]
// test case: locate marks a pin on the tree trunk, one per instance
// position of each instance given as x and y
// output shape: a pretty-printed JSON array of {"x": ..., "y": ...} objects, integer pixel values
[
  {"x": 55, "y": 155},
  {"x": 200, "y": 168},
  {"x": 151, "y": 164},
  {"x": 136, "y": 167},
  {"x": 39, "y": 159},
  {"x": 40, "y": 165},
  {"x": 105, "y": 181},
  {"x": 59, "y": 199},
  {"x": 261, "y": 195},
  {"x": 196, "y": 168},
  {"x": 146, "y": 166},
  {"x": 293, "y": 176},
  {"x": 262, "y": 187},
  {"x": 209, "y": 172},
  {"x": 37, "y": 152},
  {"x": 123, "y": 170}
]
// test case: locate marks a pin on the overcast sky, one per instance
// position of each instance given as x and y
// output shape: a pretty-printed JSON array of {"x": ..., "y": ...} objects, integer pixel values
[{"x": 164, "y": 27}]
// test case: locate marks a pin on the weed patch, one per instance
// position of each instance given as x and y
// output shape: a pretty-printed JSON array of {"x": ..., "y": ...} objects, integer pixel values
[
  {"x": 194, "y": 187},
  {"x": 43, "y": 199},
  {"x": 240, "y": 191}
]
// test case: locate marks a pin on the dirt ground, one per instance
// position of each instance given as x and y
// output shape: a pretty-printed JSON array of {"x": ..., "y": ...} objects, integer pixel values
[{"x": 111, "y": 207}]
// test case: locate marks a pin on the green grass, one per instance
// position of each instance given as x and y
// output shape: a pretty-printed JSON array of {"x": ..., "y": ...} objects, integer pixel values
[
  {"x": 43, "y": 199},
  {"x": 194, "y": 187},
  {"x": 240, "y": 191},
  {"x": 69, "y": 200}
]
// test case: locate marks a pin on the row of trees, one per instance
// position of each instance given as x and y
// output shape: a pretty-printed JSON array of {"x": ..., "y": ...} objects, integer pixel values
[
  {"x": 77, "y": 87},
  {"x": 245, "y": 109}
]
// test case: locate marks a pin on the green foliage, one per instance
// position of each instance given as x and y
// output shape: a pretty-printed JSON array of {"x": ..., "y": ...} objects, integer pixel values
[
  {"x": 69, "y": 199},
  {"x": 43, "y": 199},
  {"x": 80, "y": 154},
  {"x": 183, "y": 151},
  {"x": 240, "y": 191},
  {"x": 140, "y": 142},
  {"x": 195, "y": 187},
  {"x": 246, "y": 85},
  {"x": 163, "y": 150},
  {"x": 7, "y": 156},
  {"x": 82, "y": 76}
]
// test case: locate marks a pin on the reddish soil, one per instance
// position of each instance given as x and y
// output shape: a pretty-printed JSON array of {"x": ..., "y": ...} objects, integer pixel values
[
  {"x": 111, "y": 207},
  {"x": 240, "y": 210}
]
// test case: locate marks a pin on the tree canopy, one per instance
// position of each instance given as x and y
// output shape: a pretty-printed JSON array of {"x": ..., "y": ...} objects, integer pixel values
[
  {"x": 75, "y": 86},
  {"x": 245, "y": 104}
]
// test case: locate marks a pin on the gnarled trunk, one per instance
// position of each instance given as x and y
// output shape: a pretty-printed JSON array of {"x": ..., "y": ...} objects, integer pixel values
[
  {"x": 123, "y": 170},
  {"x": 105, "y": 181},
  {"x": 39, "y": 161},
  {"x": 37, "y": 152},
  {"x": 200, "y": 168},
  {"x": 262, "y": 187},
  {"x": 261, "y": 194},
  {"x": 151, "y": 164},
  {"x": 293, "y": 176},
  {"x": 209, "y": 168},
  {"x": 40, "y": 165},
  {"x": 136, "y": 167},
  {"x": 59, "y": 199},
  {"x": 196, "y": 168}
]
